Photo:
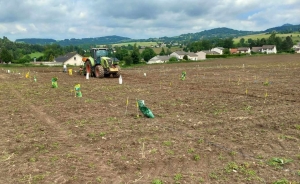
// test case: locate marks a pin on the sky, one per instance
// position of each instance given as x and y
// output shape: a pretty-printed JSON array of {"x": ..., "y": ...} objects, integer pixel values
[{"x": 139, "y": 19}]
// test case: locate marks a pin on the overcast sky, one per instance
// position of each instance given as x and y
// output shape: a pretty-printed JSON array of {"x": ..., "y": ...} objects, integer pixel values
[{"x": 65, "y": 19}]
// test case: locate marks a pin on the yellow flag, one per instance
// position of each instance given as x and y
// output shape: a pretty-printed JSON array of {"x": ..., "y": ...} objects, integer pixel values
[
  {"x": 246, "y": 91},
  {"x": 266, "y": 94},
  {"x": 77, "y": 86},
  {"x": 127, "y": 102},
  {"x": 27, "y": 75}
]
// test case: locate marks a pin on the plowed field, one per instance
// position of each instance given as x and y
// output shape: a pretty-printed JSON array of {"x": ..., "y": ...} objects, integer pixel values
[{"x": 230, "y": 121}]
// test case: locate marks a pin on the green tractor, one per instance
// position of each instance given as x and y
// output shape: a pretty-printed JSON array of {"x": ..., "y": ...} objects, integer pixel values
[{"x": 100, "y": 65}]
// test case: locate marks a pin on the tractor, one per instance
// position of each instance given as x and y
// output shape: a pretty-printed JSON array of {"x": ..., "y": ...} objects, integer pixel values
[{"x": 100, "y": 65}]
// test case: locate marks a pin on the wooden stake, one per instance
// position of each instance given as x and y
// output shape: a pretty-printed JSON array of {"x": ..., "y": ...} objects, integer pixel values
[
  {"x": 126, "y": 106},
  {"x": 137, "y": 108}
]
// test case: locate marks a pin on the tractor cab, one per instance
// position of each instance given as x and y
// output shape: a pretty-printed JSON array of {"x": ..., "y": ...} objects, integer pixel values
[{"x": 98, "y": 53}]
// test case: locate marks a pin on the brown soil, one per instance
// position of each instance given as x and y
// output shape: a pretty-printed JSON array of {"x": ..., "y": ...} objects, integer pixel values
[{"x": 227, "y": 122}]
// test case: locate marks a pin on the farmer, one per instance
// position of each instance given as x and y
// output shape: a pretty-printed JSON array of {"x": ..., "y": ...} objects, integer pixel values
[
  {"x": 80, "y": 70},
  {"x": 65, "y": 68}
]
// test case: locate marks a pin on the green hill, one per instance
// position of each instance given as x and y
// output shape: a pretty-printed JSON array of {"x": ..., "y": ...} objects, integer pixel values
[
  {"x": 183, "y": 38},
  {"x": 295, "y": 36}
]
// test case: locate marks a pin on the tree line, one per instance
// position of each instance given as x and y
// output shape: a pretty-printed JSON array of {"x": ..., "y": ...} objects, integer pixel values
[
  {"x": 282, "y": 45},
  {"x": 16, "y": 52}
]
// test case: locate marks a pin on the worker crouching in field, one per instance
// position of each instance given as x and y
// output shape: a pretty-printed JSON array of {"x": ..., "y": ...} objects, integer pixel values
[{"x": 80, "y": 70}]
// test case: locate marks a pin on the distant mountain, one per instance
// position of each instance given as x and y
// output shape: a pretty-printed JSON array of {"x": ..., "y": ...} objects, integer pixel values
[
  {"x": 285, "y": 28},
  {"x": 222, "y": 32},
  {"x": 208, "y": 34},
  {"x": 37, "y": 41},
  {"x": 73, "y": 41}
]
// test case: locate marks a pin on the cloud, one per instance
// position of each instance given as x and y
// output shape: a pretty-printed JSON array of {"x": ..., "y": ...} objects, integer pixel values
[{"x": 138, "y": 19}]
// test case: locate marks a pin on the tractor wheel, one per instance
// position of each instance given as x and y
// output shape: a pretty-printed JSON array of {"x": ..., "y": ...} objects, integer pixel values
[
  {"x": 99, "y": 71},
  {"x": 88, "y": 67},
  {"x": 116, "y": 75}
]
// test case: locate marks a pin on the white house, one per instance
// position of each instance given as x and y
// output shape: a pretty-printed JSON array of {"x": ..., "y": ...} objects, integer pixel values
[
  {"x": 256, "y": 49},
  {"x": 178, "y": 54},
  {"x": 208, "y": 52},
  {"x": 192, "y": 56},
  {"x": 159, "y": 59},
  {"x": 269, "y": 49},
  {"x": 218, "y": 50},
  {"x": 71, "y": 58},
  {"x": 297, "y": 48},
  {"x": 201, "y": 55},
  {"x": 244, "y": 50}
]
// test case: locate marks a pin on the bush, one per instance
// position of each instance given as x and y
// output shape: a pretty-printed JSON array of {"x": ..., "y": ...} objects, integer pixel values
[{"x": 173, "y": 59}]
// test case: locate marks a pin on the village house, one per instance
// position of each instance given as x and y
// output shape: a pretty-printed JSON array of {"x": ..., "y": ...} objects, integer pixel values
[
  {"x": 256, "y": 49},
  {"x": 269, "y": 49},
  {"x": 209, "y": 52},
  {"x": 296, "y": 48},
  {"x": 218, "y": 50},
  {"x": 233, "y": 51},
  {"x": 71, "y": 58},
  {"x": 201, "y": 55},
  {"x": 159, "y": 59},
  {"x": 192, "y": 56},
  {"x": 178, "y": 54},
  {"x": 244, "y": 50}
]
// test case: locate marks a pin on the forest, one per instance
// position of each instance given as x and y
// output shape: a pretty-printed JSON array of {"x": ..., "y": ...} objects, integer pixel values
[{"x": 18, "y": 52}]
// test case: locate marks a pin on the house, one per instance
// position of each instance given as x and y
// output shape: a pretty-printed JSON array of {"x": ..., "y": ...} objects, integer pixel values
[
  {"x": 233, "y": 51},
  {"x": 269, "y": 49},
  {"x": 256, "y": 49},
  {"x": 244, "y": 50},
  {"x": 208, "y": 52},
  {"x": 178, "y": 54},
  {"x": 71, "y": 58},
  {"x": 159, "y": 59},
  {"x": 192, "y": 56},
  {"x": 218, "y": 50},
  {"x": 201, "y": 55},
  {"x": 296, "y": 48}
]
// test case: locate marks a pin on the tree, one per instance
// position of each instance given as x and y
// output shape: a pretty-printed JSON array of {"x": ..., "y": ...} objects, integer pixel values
[
  {"x": 49, "y": 55},
  {"x": 25, "y": 59},
  {"x": 185, "y": 57},
  {"x": 148, "y": 53},
  {"x": 272, "y": 38},
  {"x": 228, "y": 43},
  {"x": 135, "y": 55},
  {"x": 226, "y": 51},
  {"x": 162, "y": 52},
  {"x": 128, "y": 60},
  {"x": 168, "y": 52},
  {"x": 121, "y": 53},
  {"x": 206, "y": 45},
  {"x": 5, "y": 56},
  {"x": 242, "y": 42},
  {"x": 262, "y": 41},
  {"x": 289, "y": 41}
]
